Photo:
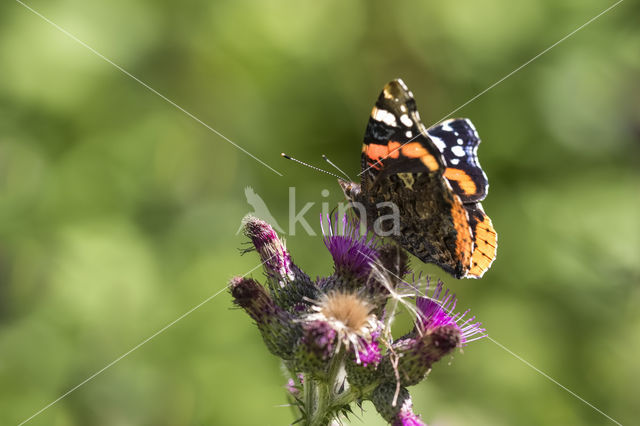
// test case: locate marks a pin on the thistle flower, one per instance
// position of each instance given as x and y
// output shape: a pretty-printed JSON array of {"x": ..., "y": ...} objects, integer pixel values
[
  {"x": 349, "y": 316},
  {"x": 436, "y": 311},
  {"x": 334, "y": 333},
  {"x": 362, "y": 368},
  {"x": 317, "y": 345},
  {"x": 370, "y": 352},
  {"x": 406, "y": 416},
  {"x": 352, "y": 253},
  {"x": 438, "y": 332}
]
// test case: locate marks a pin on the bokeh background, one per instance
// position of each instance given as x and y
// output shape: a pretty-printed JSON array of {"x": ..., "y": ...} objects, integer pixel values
[{"x": 118, "y": 212}]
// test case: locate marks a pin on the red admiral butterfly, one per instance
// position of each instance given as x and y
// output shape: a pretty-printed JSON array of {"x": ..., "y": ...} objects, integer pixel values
[{"x": 433, "y": 177}]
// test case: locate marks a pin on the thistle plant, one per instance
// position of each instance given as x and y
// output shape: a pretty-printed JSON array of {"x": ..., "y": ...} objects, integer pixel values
[{"x": 333, "y": 333}]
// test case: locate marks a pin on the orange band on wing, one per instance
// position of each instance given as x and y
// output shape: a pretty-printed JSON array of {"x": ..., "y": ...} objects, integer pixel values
[
  {"x": 414, "y": 150},
  {"x": 378, "y": 153},
  {"x": 375, "y": 151},
  {"x": 463, "y": 231},
  {"x": 486, "y": 244},
  {"x": 394, "y": 151},
  {"x": 430, "y": 161},
  {"x": 463, "y": 180}
]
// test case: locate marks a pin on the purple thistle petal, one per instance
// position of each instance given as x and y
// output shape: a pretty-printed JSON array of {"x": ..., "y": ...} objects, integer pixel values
[
  {"x": 317, "y": 346},
  {"x": 320, "y": 338},
  {"x": 293, "y": 386},
  {"x": 370, "y": 352},
  {"x": 406, "y": 416},
  {"x": 352, "y": 252},
  {"x": 437, "y": 311}
]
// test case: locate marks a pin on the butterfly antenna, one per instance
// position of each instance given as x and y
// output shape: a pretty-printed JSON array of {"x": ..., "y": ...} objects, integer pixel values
[
  {"x": 336, "y": 167},
  {"x": 310, "y": 166}
]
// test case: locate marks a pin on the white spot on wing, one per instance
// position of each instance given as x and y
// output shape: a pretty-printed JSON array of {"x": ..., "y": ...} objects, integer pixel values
[
  {"x": 406, "y": 120},
  {"x": 409, "y": 133},
  {"x": 459, "y": 141},
  {"x": 439, "y": 142},
  {"x": 457, "y": 151},
  {"x": 384, "y": 116},
  {"x": 455, "y": 161}
]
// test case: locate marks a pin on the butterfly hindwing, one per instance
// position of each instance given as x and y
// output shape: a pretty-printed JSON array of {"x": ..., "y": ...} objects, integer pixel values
[
  {"x": 485, "y": 240},
  {"x": 432, "y": 224},
  {"x": 458, "y": 140}
]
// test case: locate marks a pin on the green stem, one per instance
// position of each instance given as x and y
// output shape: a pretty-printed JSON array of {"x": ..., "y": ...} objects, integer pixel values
[
  {"x": 322, "y": 402},
  {"x": 309, "y": 387},
  {"x": 324, "y": 405}
]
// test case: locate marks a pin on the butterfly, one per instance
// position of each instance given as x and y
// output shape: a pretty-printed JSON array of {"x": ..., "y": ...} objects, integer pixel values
[{"x": 424, "y": 187}]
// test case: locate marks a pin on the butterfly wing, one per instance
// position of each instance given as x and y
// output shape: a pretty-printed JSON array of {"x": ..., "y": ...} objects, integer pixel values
[
  {"x": 485, "y": 240},
  {"x": 395, "y": 139},
  {"x": 403, "y": 167},
  {"x": 458, "y": 140}
]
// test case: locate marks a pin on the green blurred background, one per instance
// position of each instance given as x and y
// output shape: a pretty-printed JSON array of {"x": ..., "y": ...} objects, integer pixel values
[{"x": 118, "y": 212}]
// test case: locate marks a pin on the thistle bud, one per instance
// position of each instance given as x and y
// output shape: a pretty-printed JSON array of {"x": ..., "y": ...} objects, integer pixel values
[
  {"x": 317, "y": 345},
  {"x": 394, "y": 405},
  {"x": 279, "y": 332},
  {"x": 362, "y": 370},
  {"x": 276, "y": 260},
  {"x": 412, "y": 357}
]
